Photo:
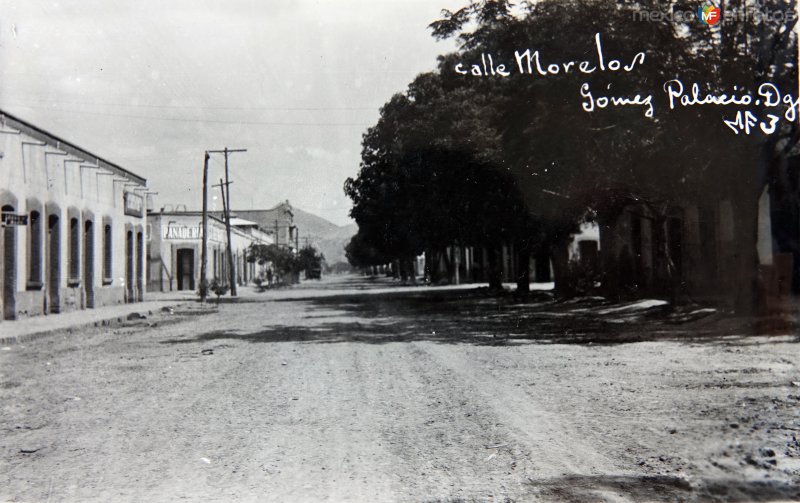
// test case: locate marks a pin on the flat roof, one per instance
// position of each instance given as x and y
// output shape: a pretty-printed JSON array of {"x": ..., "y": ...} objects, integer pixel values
[{"x": 242, "y": 221}]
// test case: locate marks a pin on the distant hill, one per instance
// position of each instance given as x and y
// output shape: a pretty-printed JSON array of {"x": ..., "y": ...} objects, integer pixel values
[{"x": 326, "y": 236}]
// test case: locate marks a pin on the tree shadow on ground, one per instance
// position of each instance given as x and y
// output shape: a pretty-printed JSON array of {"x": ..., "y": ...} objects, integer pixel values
[
  {"x": 662, "y": 488},
  {"x": 475, "y": 317}
]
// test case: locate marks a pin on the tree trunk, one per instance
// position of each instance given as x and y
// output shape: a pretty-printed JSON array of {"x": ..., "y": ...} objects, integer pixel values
[
  {"x": 495, "y": 272},
  {"x": 433, "y": 266},
  {"x": 412, "y": 274},
  {"x": 448, "y": 264},
  {"x": 456, "y": 265},
  {"x": 745, "y": 211},
  {"x": 523, "y": 269},
  {"x": 560, "y": 254},
  {"x": 609, "y": 261},
  {"x": 402, "y": 267},
  {"x": 542, "y": 260},
  {"x": 426, "y": 275}
]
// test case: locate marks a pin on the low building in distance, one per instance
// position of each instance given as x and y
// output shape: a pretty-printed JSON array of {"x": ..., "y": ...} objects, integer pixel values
[
  {"x": 278, "y": 221},
  {"x": 174, "y": 250}
]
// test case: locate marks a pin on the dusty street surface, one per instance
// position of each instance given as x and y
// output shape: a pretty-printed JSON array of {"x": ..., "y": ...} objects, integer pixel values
[{"x": 338, "y": 392}]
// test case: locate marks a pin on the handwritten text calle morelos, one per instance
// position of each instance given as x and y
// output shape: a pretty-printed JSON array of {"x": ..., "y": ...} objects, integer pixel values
[{"x": 766, "y": 97}]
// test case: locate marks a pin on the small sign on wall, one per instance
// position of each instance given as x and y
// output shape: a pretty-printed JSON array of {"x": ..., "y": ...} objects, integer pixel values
[
  {"x": 13, "y": 220},
  {"x": 134, "y": 204}
]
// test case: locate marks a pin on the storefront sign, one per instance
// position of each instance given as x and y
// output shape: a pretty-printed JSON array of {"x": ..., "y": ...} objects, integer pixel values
[
  {"x": 190, "y": 232},
  {"x": 13, "y": 220},
  {"x": 134, "y": 204},
  {"x": 182, "y": 232}
]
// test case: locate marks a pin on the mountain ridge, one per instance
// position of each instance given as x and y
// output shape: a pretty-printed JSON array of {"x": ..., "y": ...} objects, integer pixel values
[{"x": 327, "y": 237}]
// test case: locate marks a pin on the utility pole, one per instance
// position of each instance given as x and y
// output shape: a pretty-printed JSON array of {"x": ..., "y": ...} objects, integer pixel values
[
  {"x": 227, "y": 189},
  {"x": 223, "y": 188},
  {"x": 203, "y": 252}
]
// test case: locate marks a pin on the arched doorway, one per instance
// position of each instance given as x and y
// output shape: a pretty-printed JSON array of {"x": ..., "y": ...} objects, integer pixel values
[{"x": 9, "y": 268}]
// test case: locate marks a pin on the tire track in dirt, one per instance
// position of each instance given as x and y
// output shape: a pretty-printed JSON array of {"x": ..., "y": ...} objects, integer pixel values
[
  {"x": 449, "y": 446},
  {"x": 553, "y": 445}
]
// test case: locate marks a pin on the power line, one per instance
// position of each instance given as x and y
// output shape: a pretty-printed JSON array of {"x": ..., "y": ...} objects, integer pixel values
[
  {"x": 200, "y": 107},
  {"x": 208, "y": 121}
]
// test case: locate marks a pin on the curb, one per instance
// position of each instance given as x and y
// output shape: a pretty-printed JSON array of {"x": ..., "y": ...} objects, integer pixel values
[{"x": 109, "y": 321}]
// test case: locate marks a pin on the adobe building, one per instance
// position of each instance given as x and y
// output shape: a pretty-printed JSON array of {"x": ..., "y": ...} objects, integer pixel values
[
  {"x": 174, "y": 250},
  {"x": 73, "y": 225}
]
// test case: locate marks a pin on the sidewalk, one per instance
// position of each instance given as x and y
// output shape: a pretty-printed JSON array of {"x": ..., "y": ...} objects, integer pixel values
[{"x": 21, "y": 330}]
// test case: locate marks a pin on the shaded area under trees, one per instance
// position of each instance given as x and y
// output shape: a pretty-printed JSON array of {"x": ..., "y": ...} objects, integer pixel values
[{"x": 482, "y": 160}]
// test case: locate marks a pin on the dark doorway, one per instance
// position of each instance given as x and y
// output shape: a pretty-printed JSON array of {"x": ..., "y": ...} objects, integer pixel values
[
  {"x": 54, "y": 262},
  {"x": 185, "y": 268},
  {"x": 139, "y": 267},
  {"x": 542, "y": 267},
  {"x": 129, "y": 267},
  {"x": 9, "y": 269},
  {"x": 88, "y": 262}
]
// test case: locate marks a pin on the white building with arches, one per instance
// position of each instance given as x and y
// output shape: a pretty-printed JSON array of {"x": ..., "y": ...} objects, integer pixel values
[{"x": 73, "y": 225}]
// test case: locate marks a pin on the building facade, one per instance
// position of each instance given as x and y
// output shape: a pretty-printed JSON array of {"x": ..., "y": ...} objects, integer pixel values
[
  {"x": 174, "y": 250},
  {"x": 277, "y": 221},
  {"x": 73, "y": 225}
]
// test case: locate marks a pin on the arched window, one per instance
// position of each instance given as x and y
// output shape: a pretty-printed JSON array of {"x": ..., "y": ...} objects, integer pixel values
[
  {"x": 74, "y": 252},
  {"x": 35, "y": 250}
]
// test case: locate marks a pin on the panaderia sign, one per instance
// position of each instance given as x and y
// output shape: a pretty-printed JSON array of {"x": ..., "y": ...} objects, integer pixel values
[
  {"x": 183, "y": 232},
  {"x": 191, "y": 232}
]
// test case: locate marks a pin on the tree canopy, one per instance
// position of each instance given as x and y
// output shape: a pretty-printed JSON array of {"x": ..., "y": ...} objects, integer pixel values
[{"x": 469, "y": 155}]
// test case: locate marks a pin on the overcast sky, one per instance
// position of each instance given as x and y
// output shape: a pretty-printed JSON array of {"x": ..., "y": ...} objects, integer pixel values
[{"x": 152, "y": 84}]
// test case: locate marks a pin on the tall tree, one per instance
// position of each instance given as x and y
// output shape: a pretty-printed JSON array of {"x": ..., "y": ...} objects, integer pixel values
[{"x": 430, "y": 176}]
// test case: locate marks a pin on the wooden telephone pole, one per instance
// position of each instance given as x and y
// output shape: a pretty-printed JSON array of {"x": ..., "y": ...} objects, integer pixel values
[
  {"x": 223, "y": 187},
  {"x": 203, "y": 252},
  {"x": 226, "y": 191}
]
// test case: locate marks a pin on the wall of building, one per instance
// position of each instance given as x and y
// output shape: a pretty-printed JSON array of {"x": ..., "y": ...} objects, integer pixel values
[{"x": 62, "y": 197}]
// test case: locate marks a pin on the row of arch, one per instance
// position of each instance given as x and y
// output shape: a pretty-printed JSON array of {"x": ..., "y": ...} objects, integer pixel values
[{"x": 43, "y": 250}]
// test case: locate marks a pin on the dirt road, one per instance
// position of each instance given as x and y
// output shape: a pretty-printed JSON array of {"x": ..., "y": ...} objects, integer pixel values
[{"x": 338, "y": 392}]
